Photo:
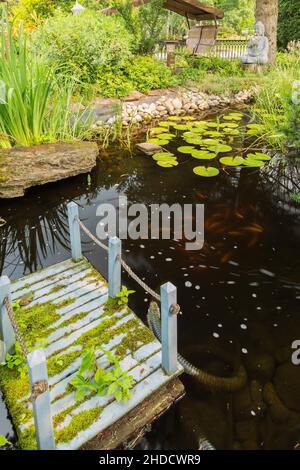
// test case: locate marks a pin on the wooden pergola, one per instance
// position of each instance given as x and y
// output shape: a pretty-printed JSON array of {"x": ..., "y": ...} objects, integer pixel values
[{"x": 190, "y": 9}]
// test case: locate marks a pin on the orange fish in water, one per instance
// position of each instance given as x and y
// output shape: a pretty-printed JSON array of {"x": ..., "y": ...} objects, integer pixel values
[
  {"x": 253, "y": 229},
  {"x": 200, "y": 196}
]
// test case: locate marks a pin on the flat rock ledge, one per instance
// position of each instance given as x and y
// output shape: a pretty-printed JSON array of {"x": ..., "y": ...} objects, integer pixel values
[{"x": 25, "y": 167}]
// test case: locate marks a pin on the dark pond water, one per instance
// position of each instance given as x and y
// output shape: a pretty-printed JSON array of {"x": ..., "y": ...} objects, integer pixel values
[{"x": 240, "y": 294}]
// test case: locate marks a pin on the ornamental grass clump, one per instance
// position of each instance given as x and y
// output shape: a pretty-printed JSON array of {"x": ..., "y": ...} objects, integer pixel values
[{"x": 33, "y": 108}]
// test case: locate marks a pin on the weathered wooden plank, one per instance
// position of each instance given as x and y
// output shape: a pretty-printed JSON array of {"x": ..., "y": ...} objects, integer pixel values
[
  {"x": 114, "y": 411},
  {"x": 51, "y": 280},
  {"x": 82, "y": 298},
  {"x": 41, "y": 274},
  {"x": 126, "y": 431},
  {"x": 128, "y": 363},
  {"x": 98, "y": 303},
  {"x": 69, "y": 340}
]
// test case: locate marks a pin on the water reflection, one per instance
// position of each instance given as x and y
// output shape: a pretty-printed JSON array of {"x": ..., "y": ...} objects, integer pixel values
[{"x": 240, "y": 294}]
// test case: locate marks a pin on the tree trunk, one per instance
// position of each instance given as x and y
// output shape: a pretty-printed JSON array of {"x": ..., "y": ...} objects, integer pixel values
[{"x": 267, "y": 13}]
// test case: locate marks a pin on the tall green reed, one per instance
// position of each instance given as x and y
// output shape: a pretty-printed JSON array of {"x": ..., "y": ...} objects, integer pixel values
[{"x": 34, "y": 107}]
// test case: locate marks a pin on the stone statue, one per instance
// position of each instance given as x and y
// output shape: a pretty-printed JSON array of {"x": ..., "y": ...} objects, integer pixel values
[{"x": 258, "y": 47}]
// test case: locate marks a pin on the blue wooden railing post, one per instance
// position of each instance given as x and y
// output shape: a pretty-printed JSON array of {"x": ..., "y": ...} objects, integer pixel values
[
  {"x": 114, "y": 266},
  {"x": 37, "y": 368},
  {"x": 74, "y": 231},
  {"x": 168, "y": 296},
  {"x": 7, "y": 336}
]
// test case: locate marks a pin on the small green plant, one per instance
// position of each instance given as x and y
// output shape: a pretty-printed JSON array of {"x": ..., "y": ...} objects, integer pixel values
[
  {"x": 90, "y": 378},
  {"x": 15, "y": 361},
  {"x": 4, "y": 441},
  {"x": 295, "y": 197},
  {"x": 123, "y": 295}
]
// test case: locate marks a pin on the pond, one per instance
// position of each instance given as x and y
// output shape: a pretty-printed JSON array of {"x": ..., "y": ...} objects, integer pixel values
[{"x": 239, "y": 295}]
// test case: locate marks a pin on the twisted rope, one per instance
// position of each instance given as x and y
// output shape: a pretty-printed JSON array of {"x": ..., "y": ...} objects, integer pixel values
[
  {"x": 123, "y": 263},
  {"x": 11, "y": 316},
  {"x": 38, "y": 388}
]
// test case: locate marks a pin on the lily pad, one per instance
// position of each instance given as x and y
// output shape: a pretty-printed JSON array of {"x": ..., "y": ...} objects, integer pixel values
[
  {"x": 210, "y": 142},
  {"x": 167, "y": 164},
  {"x": 220, "y": 148},
  {"x": 158, "y": 141},
  {"x": 181, "y": 127},
  {"x": 163, "y": 156},
  {"x": 164, "y": 124},
  {"x": 231, "y": 125},
  {"x": 186, "y": 149},
  {"x": 212, "y": 124},
  {"x": 158, "y": 130},
  {"x": 188, "y": 118},
  {"x": 206, "y": 171},
  {"x": 253, "y": 163},
  {"x": 259, "y": 156},
  {"x": 203, "y": 154},
  {"x": 232, "y": 161},
  {"x": 166, "y": 136},
  {"x": 175, "y": 118}
]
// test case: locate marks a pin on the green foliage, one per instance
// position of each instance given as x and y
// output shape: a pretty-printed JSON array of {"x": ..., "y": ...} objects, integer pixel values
[
  {"x": 239, "y": 15},
  {"x": 141, "y": 73},
  {"x": 4, "y": 441},
  {"x": 79, "y": 45},
  {"x": 112, "y": 381},
  {"x": 288, "y": 22},
  {"x": 275, "y": 104},
  {"x": 15, "y": 361},
  {"x": 145, "y": 23},
  {"x": 28, "y": 91},
  {"x": 123, "y": 295},
  {"x": 32, "y": 11},
  {"x": 215, "y": 65}
]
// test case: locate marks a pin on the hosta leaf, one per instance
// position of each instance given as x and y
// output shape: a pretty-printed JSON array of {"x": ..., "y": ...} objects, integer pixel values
[{"x": 206, "y": 171}]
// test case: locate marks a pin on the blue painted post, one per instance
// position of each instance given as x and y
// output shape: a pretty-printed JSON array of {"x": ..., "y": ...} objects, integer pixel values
[
  {"x": 74, "y": 231},
  {"x": 37, "y": 368},
  {"x": 168, "y": 295},
  {"x": 7, "y": 335},
  {"x": 114, "y": 266}
]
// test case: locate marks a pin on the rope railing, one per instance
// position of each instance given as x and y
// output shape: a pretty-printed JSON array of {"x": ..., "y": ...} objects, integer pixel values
[{"x": 127, "y": 268}]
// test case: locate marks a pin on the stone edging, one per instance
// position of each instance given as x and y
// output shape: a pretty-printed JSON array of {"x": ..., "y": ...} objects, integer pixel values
[{"x": 175, "y": 103}]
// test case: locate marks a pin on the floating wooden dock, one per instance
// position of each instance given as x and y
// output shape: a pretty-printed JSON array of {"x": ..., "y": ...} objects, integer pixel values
[{"x": 67, "y": 307}]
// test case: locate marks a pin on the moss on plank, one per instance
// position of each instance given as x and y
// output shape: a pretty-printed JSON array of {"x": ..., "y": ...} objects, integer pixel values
[{"x": 79, "y": 422}]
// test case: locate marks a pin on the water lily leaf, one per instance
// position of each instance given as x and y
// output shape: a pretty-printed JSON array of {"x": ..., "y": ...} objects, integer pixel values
[
  {"x": 198, "y": 130},
  {"x": 253, "y": 163},
  {"x": 210, "y": 142},
  {"x": 212, "y": 124},
  {"x": 167, "y": 164},
  {"x": 220, "y": 148},
  {"x": 203, "y": 154},
  {"x": 231, "y": 125},
  {"x": 259, "y": 156},
  {"x": 229, "y": 131},
  {"x": 158, "y": 130},
  {"x": 158, "y": 141},
  {"x": 164, "y": 124},
  {"x": 200, "y": 123},
  {"x": 166, "y": 136},
  {"x": 214, "y": 133},
  {"x": 232, "y": 161},
  {"x": 194, "y": 140},
  {"x": 188, "y": 118},
  {"x": 163, "y": 156},
  {"x": 181, "y": 127},
  {"x": 233, "y": 117},
  {"x": 186, "y": 149},
  {"x": 206, "y": 171},
  {"x": 175, "y": 118}
]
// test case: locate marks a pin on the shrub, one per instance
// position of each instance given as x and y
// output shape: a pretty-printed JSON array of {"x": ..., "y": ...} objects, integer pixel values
[
  {"x": 141, "y": 73},
  {"x": 288, "y": 22},
  {"x": 79, "y": 45},
  {"x": 147, "y": 73},
  {"x": 216, "y": 65}
]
